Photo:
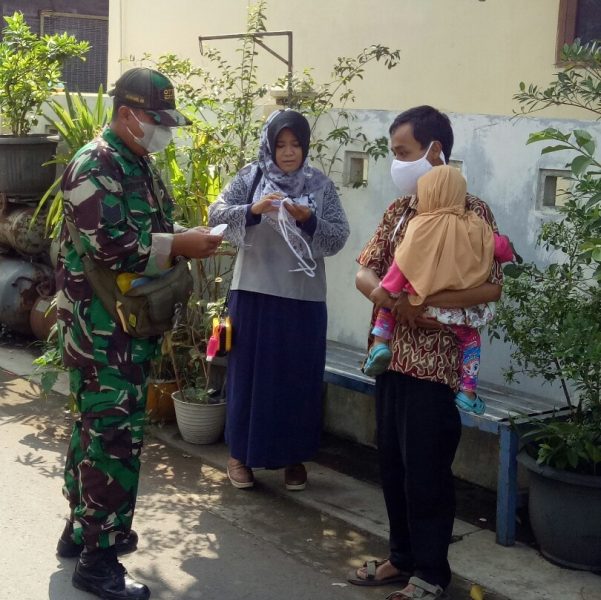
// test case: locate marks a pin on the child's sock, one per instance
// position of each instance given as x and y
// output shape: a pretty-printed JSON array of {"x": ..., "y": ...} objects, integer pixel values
[{"x": 385, "y": 324}]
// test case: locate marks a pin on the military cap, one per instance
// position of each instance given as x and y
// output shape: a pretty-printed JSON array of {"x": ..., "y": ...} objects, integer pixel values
[{"x": 151, "y": 91}]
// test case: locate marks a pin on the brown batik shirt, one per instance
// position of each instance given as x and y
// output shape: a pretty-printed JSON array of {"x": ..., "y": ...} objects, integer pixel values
[{"x": 430, "y": 354}]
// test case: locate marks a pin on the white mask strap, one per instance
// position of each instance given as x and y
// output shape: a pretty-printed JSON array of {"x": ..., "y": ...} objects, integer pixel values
[
  {"x": 442, "y": 156},
  {"x": 287, "y": 229}
]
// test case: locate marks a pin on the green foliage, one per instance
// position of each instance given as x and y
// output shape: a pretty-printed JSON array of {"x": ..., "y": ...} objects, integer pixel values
[
  {"x": 48, "y": 366},
  {"x": 187, "y": 343},
  {"x": 222, "y": 104},
  {"x": 577, "y": 85},
  {"x": 573, "y": 444},
  {"x": 30, "y": 70},
  {"x": 226, "y": 128},
  {"x": 329, "y": 102},
  {"x": 77, "y": 124},
  {"x": 550, "y": 314},
  {"x": 197, "y": 394}
]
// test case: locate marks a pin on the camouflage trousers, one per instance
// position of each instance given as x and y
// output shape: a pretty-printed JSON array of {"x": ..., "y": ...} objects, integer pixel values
[{"x": 103, "y": 459}]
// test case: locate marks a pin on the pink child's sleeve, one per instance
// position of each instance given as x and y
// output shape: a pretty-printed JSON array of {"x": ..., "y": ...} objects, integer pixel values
[
  {"x": 503, "y": 249},
  {"x": 395, "y": 282}
]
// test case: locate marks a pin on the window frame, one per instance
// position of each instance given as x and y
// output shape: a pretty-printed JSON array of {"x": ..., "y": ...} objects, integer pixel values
[{"x": 566, "y": 27}]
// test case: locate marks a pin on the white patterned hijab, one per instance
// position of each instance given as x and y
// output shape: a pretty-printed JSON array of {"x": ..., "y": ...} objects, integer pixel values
[{"x": 293, "y": 185}]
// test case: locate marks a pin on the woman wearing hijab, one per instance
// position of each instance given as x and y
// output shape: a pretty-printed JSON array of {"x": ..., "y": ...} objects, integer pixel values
[{"x": 285, "y": 217}]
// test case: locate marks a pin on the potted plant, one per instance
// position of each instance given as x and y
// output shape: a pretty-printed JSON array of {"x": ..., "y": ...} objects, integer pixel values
[
  {"x": 200, "y": 397},
  {"x": 161, "y": 385},
  {"x": 77, "y": 123},
  {"x": 30, "y": 72},
  {"x": 550, "y": 315}
]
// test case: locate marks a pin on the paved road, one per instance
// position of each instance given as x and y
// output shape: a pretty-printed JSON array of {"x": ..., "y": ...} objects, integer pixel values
[
  {"x": 199, "y": 538},
  {"x": 202, "y": 539}
]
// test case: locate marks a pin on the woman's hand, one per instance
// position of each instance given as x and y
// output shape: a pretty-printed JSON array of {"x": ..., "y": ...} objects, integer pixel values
[
  {"x": 299, "y": 213},
  {"x": 266, "y": 204}
]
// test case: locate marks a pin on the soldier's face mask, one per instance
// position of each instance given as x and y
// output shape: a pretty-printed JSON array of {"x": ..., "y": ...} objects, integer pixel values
[{"x": 154, "y": 137}]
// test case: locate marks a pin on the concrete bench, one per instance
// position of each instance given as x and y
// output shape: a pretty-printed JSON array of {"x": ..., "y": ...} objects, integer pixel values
[{"x": 343, "y": 368}]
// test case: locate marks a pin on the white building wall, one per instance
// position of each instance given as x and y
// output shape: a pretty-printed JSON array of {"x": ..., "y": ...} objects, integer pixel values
[{"x": 463, "y": 55}]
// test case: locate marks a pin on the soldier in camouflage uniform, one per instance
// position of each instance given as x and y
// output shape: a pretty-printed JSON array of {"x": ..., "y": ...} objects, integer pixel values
[{"x": 118, "y": 203}]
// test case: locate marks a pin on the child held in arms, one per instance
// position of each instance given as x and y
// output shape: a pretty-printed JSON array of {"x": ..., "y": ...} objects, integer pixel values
[{"x": 446, "y": 247}]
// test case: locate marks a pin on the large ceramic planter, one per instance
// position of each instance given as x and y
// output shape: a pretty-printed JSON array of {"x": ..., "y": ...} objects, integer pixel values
[
  {"x": 159, "y": 401},
  {"x": 199, "y": 423},
  {"x": 565, "y": 514},
  {"x": 21, "y": 160},
  {"x": 42, "y": 317}
]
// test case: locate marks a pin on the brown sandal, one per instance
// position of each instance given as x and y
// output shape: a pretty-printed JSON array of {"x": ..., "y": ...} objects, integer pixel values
[
  {"x": 370, "y": 580},
  {"x": 422, "y": 590}
]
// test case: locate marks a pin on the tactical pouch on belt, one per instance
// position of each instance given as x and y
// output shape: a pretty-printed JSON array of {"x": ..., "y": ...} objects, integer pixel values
[
  {"x": 143, "y": 311},
  {"x": 148, "y": 309}
]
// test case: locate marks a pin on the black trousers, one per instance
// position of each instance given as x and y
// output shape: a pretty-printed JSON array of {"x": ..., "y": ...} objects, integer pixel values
[{"x": 418, "y": 433}]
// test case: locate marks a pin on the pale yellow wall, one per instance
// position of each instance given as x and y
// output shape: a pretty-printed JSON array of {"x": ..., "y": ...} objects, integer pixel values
[{"x": 463, "y": 56}]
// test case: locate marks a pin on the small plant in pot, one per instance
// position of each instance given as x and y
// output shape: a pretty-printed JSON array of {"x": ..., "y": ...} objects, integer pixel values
[
  {"x": 200, "y": 397},
  {"x": 161, "y": 385},
  {"x": 551, "y": 316},
  {"x": 30, "y": 72}
]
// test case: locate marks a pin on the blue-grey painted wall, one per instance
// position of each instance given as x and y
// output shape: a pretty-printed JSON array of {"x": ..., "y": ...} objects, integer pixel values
[{"x": 500, "y": 168}]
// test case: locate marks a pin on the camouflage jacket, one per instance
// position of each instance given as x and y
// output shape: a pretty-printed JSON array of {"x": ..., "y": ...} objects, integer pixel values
[{"x": 110, "y": 194}]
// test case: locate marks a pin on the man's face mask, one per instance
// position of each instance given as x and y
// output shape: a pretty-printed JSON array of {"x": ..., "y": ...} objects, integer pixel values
[
  {"x": 154, "y": 137},
  {"x": 406, "y": 173}
]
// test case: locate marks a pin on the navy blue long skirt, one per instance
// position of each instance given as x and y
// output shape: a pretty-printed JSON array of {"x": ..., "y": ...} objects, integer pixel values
[{"x": 274, "y": 379}]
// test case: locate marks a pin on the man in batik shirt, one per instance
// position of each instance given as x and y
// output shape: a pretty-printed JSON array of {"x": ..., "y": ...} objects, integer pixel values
[
  {"x": 418, "y": 424},
  {"x": 118, "y": 203}
]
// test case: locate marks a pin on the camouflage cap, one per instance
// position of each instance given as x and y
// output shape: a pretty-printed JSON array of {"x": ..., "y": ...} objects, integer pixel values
[{"x": 151, "y": 91}]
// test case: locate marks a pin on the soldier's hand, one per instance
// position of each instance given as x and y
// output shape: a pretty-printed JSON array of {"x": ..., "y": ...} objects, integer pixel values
[{"x": 195, "y": 243}]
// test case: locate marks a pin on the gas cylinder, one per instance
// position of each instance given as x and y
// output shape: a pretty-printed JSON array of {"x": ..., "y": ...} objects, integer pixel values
[
  {"x": 20, "y": 282},
  {"x": 18, "y": 232}
]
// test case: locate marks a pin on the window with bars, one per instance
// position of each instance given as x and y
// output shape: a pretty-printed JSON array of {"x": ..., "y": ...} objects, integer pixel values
[{"x": 81, "y": 76}]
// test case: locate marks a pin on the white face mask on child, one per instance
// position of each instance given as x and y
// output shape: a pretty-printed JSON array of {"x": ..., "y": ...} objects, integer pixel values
[{"x": 405, "y": 173}]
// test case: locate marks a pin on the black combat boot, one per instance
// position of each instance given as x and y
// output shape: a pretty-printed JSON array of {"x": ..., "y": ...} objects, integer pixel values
[
  {"x": 67, "y": 548},
  {"x": 100, "y": 573}
]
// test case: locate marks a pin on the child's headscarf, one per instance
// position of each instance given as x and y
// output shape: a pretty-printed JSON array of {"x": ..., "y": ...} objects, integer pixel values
[{"x": 446, "y": 247}]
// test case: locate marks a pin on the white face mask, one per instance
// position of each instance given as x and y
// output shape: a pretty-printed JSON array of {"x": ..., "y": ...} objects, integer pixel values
[
  {"x": 406, "y": 173},
  {"x": 154, "y": 137}
]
